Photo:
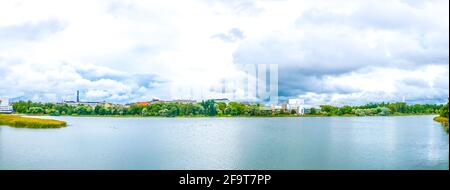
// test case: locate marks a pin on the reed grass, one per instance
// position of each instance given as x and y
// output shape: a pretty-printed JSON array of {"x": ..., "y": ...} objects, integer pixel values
[
  {"x": 442, "y": 120},
  {"x": 26, "y": 122}
]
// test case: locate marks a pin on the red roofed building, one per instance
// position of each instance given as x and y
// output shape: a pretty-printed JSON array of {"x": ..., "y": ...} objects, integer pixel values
[{"x": 143, "y": 103}]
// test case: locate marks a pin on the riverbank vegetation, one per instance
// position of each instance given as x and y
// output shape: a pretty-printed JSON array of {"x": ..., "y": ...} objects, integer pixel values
[
  {"x": 211, "y": 108},
  {"x": 443, "y": 117},
  {"x": 26, "y": 122}
]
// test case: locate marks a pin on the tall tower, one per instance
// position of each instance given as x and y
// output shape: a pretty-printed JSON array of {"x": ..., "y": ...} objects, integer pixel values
[{"x": 78, "y": 96}]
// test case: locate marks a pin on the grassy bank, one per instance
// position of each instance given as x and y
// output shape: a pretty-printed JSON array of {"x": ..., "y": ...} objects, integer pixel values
[
  {"x": 442, "y": 120},
  {"x": 26, "y": 122}
]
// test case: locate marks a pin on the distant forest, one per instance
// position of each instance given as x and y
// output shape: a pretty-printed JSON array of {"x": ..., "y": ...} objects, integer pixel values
[{"x": 211, "y": 108}]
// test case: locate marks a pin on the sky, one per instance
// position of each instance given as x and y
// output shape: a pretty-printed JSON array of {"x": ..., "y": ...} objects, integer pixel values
[{"x": 327, "y": 52}]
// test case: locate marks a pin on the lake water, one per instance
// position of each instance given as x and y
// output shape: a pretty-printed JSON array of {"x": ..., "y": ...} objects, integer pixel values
[{"x": 409, "y": 142}]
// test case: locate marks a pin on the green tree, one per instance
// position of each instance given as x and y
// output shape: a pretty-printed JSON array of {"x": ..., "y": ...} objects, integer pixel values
[
  {"x": 293, "y": 111},
  {"x": 236, "y": 108},
  {"x": 53, "y": 112},
  {"x": 444, "y": 111},
  {"x": 312, "y": 111},
  {"x": 329, "y": 110},
  {"x": 36, "y": 110},
  {"x": 384, "y": 111},
  {"x": 210, "y": 107},
  {"x": 345, "y": 110},
  {"x": 221, "y": 106},
  {"x": 144, "y": 112}
]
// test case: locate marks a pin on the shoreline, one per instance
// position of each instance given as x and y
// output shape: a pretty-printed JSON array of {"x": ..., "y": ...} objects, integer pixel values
[
  {"x": 138, "y": 116},
  {"x": 443, "y": 121}
]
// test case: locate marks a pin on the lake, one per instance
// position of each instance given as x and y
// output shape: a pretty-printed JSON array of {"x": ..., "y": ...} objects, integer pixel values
[{"x": 398, "y": 142}]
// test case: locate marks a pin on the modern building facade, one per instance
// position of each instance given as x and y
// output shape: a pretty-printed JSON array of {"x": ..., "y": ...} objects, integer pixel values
[
  {"x": 5, "y": 107},
  {"x": 296, "y": 104}
]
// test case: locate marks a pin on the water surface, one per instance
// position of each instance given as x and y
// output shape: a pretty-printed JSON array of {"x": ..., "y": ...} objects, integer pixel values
[{"x": 400, "y": 142}]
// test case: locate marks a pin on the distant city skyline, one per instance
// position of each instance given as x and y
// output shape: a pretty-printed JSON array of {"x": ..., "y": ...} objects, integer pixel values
[{"x": 326, "y": 52}]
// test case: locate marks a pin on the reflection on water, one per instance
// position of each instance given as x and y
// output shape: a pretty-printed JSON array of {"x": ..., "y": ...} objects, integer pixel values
[{"x": 410, "y": 142}]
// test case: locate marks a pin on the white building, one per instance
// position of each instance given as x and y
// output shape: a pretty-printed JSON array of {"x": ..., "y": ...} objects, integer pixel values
[
  {"x": 5, "y": 107},
  {"x": 224, "y": 100},
  {"x": 183, "y": 101},
  {"x": 296, "y": 104},
  {"x": 92, "y": 104}
]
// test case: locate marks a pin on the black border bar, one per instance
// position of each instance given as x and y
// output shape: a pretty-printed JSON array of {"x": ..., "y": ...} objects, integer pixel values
[{"x": 297, "y": 179}]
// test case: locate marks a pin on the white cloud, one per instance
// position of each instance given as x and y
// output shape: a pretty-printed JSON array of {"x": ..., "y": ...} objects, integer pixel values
[
  {"x": 135, "y": 50},
  {"x": 423, "y": 84}
]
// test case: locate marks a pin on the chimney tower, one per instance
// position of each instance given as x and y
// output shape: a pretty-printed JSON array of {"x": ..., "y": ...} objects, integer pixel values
[{"x": 78, "y": 96}]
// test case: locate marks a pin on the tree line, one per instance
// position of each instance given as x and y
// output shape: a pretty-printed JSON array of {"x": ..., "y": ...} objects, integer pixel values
[
  {"x": 165, "y": 109},
  {"x": 381, "y": 109},
  {"x": 212, "y": 108}
]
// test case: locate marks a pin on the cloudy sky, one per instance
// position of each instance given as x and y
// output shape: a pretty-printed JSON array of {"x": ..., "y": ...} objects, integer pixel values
[{"x": 337, "y": 52}]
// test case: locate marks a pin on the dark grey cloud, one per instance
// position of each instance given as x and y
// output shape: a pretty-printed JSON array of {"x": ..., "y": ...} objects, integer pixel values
[
  {"x": 429, "y": 35},
  {"x": 337, "y": 45},
  {"x": 320, "y": 53},
  {"x": 293, "y": 82}
]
